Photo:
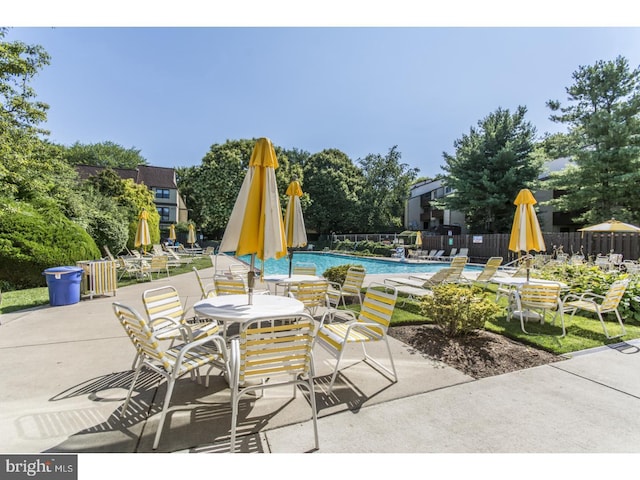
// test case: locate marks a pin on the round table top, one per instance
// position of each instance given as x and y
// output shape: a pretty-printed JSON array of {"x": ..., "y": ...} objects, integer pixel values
[
  {"x": 291, "y": 279},
  {"x": 236, "y": 308}
]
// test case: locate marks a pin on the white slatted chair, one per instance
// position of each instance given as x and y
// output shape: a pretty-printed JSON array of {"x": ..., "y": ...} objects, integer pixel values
[
  {"x": 370, "y": 325},
  {"x": 303, "y": 268},
  {"x": 272, "y": 352},
  {"x": 599, "y": 304},
  {"x": 207, "y": 290},
  {"x": 164, "y": 309},
  {"x": 173, "y": 362},
  {"x": 352, "y": 285},
  {"x": 536, "y": 300}
]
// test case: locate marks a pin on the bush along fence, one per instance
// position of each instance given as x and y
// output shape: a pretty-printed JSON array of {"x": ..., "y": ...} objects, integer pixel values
[
  {"x": 482, "y": 247},
  {"x": 588, "y": 244}
]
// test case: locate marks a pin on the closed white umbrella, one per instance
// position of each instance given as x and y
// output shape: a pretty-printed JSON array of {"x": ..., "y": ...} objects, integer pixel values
[{"x": 294, "y": 228}]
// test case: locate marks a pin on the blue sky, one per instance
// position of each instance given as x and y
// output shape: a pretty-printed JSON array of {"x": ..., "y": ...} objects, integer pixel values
[{"x": 173, "y": 92}]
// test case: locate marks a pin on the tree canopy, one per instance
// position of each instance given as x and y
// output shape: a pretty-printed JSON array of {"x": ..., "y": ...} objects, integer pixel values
[
  {"x": 491, "y": 164},
  {"x": 103, "y": 154},
  {"x": 603, "y": 142}
]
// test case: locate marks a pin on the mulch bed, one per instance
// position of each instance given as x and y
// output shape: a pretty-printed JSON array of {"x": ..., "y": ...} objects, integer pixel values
[{"x": 480, "y": 354}]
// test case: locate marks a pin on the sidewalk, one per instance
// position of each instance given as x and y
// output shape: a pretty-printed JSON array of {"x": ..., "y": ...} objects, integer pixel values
[{"x": 66, "y": 371}]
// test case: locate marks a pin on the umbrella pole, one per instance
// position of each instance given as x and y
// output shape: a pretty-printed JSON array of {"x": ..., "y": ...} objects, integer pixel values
[
  {"x": 251, "y": 278},
  {"x": 290, "y": 261}
]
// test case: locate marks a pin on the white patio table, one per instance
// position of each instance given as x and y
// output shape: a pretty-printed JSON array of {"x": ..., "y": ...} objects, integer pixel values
[
  {"x": 230, "y": 309},
  {"x": 287, "y": 281}
]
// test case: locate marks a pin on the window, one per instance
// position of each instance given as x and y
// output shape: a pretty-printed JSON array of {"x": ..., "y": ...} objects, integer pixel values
[
  {"x": 164, "y": 214},
  {"x": 162, "y": 193}
]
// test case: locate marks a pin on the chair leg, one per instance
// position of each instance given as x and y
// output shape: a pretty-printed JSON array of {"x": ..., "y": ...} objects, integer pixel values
[
  {"x": 370, "y": 359},
  {"x": 234, "y": 420},
  {"x": 133, "y": 384},
  {"x": 165, "y": 407}
]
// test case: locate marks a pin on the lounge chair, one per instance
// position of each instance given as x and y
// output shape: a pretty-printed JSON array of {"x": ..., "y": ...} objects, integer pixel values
[
  {"x": 488, "y": 272},
  {"x": 436, "y": 256},
  {"x": 464, "y": 252},
  {"x": 428, "y": 255},
  {"x": 457, "y": 264}
]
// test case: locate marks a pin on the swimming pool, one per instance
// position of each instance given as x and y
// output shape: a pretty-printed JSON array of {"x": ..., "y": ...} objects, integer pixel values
[{"x": 323, "y": 261}]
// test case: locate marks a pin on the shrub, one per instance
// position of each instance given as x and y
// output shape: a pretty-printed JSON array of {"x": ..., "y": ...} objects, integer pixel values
[
  {"x": 582, "y": 278},
  {"x": 458, "y": 309},
  {"x": 33, "y": 240},
  {"x": 339, "y": 273}
]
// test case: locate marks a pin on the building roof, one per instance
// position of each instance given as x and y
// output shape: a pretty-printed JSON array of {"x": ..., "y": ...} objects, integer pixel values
[{"x": 157, "y": 177}]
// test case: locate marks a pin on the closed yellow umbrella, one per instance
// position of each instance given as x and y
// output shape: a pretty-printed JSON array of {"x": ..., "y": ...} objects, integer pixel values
[
  {"x": 294, "y": 228},
  {"x": 255, "y": 226},
  {"x": 172, "y": 232},
  {"x": 419, "y": 240},
  {"x": 525, "y": 232},
  {"x": 142, "y": 232},
  {"x": 191, "y": 236}
]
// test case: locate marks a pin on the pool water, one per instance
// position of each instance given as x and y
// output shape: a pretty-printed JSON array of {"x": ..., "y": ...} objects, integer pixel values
[{"x": 324, "y": 261}]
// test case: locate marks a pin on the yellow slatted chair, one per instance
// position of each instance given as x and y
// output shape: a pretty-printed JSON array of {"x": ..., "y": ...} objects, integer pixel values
[
  {"x": 607, "y": 303},
  {"x": 164, "y": 309},
  {"x": 272, "y": 352},
  {"x": 369, "y": 325},
  {"x": 207, "y": 290},
  {"x": 535, "y": 300},
  {"x": 314, "y": 295},
  {"x": 158, "y": 264},
  {"x": 173, "y": 362},
  {"x": 229, "y": 285},
  {"x": 352, "y": 285},
  {"x": 304, "y": 269},
  {"x": 488, "y": 272}
]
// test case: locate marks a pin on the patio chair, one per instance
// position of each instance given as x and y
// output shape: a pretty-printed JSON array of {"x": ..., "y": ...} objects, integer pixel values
[
  {"x": 599, "y": 304},
  {"x": 158, "y": 264},
  {"x": 272, "y": 352},
  {"x": 230, "y": 284},
  {"x": 351, "y": 287},
  {"x": 173, "y": 362},
  {"x": 464, "y": 252},
  {"x": 164, "y": 310},
  {"x": 206, "y": 289},
  {"x": 304, "y": 269},
  {"x": 534, "y": 301},
  {"x": 129, "y": 268},
  {"x": 369, "y": 325},
  {"x": 314, "y": 295}
]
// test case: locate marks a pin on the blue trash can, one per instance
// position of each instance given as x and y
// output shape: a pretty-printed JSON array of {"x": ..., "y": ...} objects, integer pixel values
[{"x": 64, "y": 285}]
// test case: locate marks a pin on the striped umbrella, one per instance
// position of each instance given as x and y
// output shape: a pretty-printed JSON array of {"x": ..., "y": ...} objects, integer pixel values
[
  {"x": 294, "y": 228},
  {"x": 255, "y": 226},
  {"x": 142, "y": 232},
  {"x": 526, "y": 234},
  {"x": 191, "y": 236}
]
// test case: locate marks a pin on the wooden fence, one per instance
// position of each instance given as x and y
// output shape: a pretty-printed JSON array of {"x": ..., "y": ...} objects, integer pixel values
[{"x": 482, "y": 247}]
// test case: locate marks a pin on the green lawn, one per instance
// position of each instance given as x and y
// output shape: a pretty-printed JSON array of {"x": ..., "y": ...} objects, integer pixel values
[
  {"x": 583, "y": 331},
  {"x": 34, "y": 297}
]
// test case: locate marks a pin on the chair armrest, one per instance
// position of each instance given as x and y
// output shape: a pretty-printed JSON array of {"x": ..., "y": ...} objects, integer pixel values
[{"x": 217, "y": 339}]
